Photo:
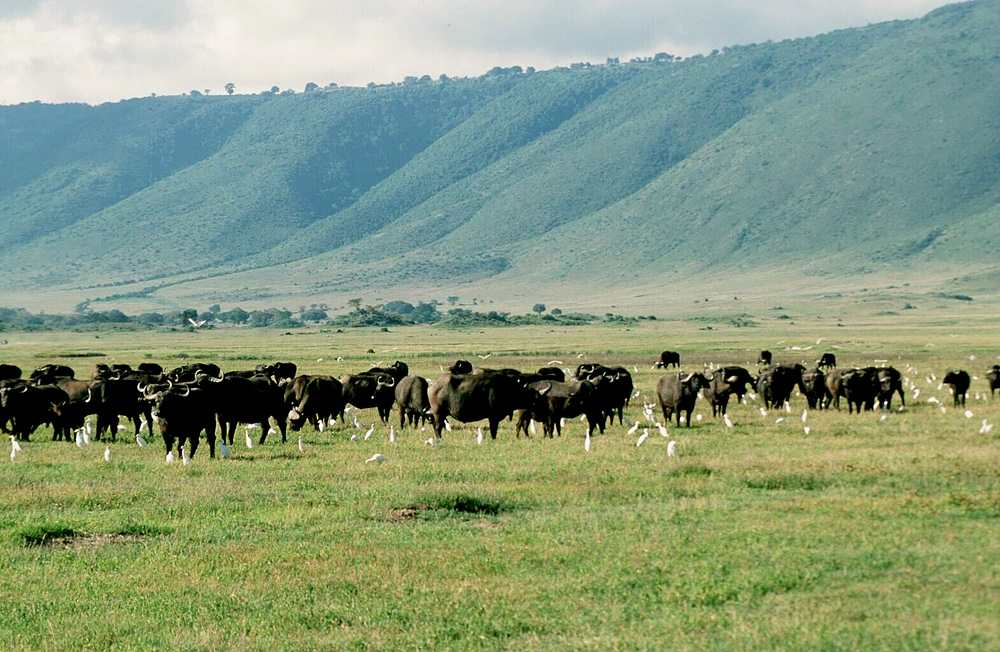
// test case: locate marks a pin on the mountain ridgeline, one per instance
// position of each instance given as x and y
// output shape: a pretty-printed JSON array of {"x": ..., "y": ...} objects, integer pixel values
[{"x": 820, "y": 159}]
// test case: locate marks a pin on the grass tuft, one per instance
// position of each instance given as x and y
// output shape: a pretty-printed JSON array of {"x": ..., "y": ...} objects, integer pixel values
[{"x": 787, "y": 481}]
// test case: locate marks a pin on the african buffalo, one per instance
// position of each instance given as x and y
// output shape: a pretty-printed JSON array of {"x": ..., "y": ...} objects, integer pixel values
[
  {"x": 776, "y": 383},
  {"x": 765, "y": 358},
  {"x": 891, "y": 382},
  {"x": 182, "y": 412},
  {"x": 477, "y": 396},
  {"x": 993, "y": 377},
  {"x": 814, "y": 381},
  {"x": 668, "y": 358},
  {"x": 411, "y": 397},
  {"x": 245, "y": 400},
  {"x": 370, "y": 389},
  {"x": 460, "y": 367},
  {"x": 959, "y": 381},
  {"x": 827, "y": 361},
  {"x": 678, "y": 393},
  {"x": 29, "y": 406},
  {"x": 278, "y": 371},
  {"x": 9, "y": 372},
  {"x": 721, "y": 385},
  {"x": 861, "y": 388},
  {"x": 315, "y": 399},
  {"x": 560, "y": 400}
]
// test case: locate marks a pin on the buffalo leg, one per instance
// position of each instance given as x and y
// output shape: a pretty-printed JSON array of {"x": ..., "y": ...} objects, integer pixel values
[{"x": 494, "y": 423}]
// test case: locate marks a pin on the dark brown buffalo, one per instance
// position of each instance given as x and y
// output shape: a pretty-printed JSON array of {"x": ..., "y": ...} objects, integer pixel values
[
  {"x": 460, "y": 367},
  {"x": 411, "y": 397},
  {"x": 891, "y": 382},
  {"x": 49, "y": 373},
  {"x": 993, "y": 378},
  {"x": 555, "y": 373},
  {"x": 182, "y": 412},
  {"x": 477, "y": 396},
  {"x": 677, "y": 393},
  {"x": 827, "y": 361},
  {"x": 9, "y": 372},
  {"x": 370, "y": 389},
  {"x": 776, "y": 383},
  {"x": 861, "y": 388},
  {"x": 560, "y": 400},
  {"x": 959, "y": 381},
  {"x": 721, "y": 386},
  {"x": 668, "y": 358},
  {"x": 315, "y": 399},
  {"x": 29, "y": 406},
  {"x": 245, "y": 400},
  {"x": 186, "y": 373},
  {"x": 278, "y": 371},
  {"x": 764, "y": 358},
  {"x": 817, "y": 396}
]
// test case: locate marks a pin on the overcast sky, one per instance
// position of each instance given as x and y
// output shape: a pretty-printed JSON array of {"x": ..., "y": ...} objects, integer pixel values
[{"x": 105, "y": 50}]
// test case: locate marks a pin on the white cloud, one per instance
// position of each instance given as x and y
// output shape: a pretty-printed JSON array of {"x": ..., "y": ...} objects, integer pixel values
[{"x": 101, "y": 50}]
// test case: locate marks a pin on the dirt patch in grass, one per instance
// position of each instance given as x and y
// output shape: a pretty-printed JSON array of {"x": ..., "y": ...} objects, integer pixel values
[
  {"x": 461, "y": 506},
  {"x": 65, "y": 537}
]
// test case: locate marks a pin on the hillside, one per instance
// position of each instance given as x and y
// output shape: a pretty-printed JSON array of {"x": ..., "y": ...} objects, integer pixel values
[{"x": 865, "y": 157}]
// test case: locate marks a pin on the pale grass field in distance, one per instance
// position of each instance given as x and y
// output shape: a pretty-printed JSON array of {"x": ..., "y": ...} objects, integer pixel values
[{"x": 864, "y": 534}]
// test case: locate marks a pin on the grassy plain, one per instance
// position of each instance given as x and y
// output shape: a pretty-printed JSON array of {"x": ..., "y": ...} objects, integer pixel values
[{"x": 864, "y": 534}]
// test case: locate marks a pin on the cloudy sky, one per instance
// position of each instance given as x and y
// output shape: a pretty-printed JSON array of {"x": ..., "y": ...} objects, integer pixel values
[{"x": 105, "y": 50}]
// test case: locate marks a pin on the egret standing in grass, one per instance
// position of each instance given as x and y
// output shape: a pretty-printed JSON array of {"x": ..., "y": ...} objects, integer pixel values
[
  {"x": 185, "y": 457},
  {"x": 370, "y": 432},
  {"x": 642, "y": 437},
  {"x": 139, "y": 439},
  {"x": 632, "y": 430},
  {"x": 249, "y": 441},
  {"x": 107, "y": 454},
  {"x": 392, "y": 435},
  {"x": 586, "y": 442},
  {"x": 671, "y": 448},
  {"x": 378, "y": 458},
  {"x": 302, "y": 445},
  {"x": 479, "y": 436}
]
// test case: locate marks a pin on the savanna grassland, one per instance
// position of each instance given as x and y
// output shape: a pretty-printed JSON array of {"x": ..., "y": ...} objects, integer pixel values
[{"x": 864, "y": 534}]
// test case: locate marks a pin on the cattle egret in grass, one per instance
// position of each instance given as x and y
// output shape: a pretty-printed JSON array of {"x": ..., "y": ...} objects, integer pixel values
[
  {"x": 635, "y": 368},
  {"x": 642, "y": 437},
  {"x": 79, "y": 438},
  {"x": 987, "y": 427},
  {"x": 933, "y": 399},
  {"x": 885, "y": 417},
  {"x": 805, "y": 415},
  {"x": 302, "y": 445},
  {"x": 185, "y": 457},
  {"x": 916, "y": 393},
  {"x": 698, "y": 417},
  {"x": 143, "y": 425},
  {"x": 16, "y": 447},
  {"x": 583, "y": 417},
  {"x": 447, "y": 426},
  {"x": 13, "y": 455},
  {"x": 586, "y": 441},
  {"x": 631, "y": 431},
  {"x": 88, "y": 428},
  {"x": 479, "y": 435},
  {"x": 271, "y": 431},
  {"x": 431, "y": 442},
  {"x": 552, "y": 362},
  {"x": 806, "y": 429},
  {"x": 121, "y": 428},
  {"x": 355, "y": 438},
  {"x": 249, "y": 441},
  {"x": 224, "y": 450},
  {"x": 321, "y": 426},
  {"x": 370, "y": 432},
  {"x": 727, "y": 420},
  {"x": 319, "y": 359},
  {"x": 170, "y": 457},
  {"x": 562, "y": 423},
  {"x": 968, "y": 414},
  {"x": 788, "y": 407},
  {"x": 944, "y": 410},
  {"x": 780, "y": 420},
  {"x": 531, "y": 426},
  {"x": 392, "y": 434},
  {"x": 763, "y": 412},
  {"x": 378, "y": 458},
  {"x": 683, "y": 419},
  {"x": 662, "y": 428},
  {"x": 107, "y": 454},
  {"x": 671, "y": 448}
]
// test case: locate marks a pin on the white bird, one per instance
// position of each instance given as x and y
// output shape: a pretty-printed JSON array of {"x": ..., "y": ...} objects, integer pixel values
[
  {"x": 987, "y": 427},
  {"x": 933, "y": 399},
  {"x": 370, "y": 432},
  {"x": 916, "y": 393},
  {"x": 788, "y": 407},
  {"x": 582, "y": 355},
  {"x": 552, "y": 362},
  {"x": 271, "y": 431},
  {"x": 88, "y": 427},
  {"x": 16, "y": 447},
  {"x": 531, "y": 426},
  {"x": 944, "y": 410},
  {"x": 224, "y": 450},
  {"x": 198, "y": 324},
  {"x": 170, "y": 457},
  {"x": 302, "y": 445},
  {"x": 447, "y": 426},
  {"x": 143, "y": 425},
  {"x": 631, "y": 431},
  {"x": 392, "y": 434},
  {"x": 683, "y": 419},
  {"x": 562, "y": 423},
  {"x": 185, "y": 457},
  {"x": 479, "y": 435},
  {"x": 671, "y": 448},
  {"x": 320, "y": 426},
  {"x": 378, "y": 458},
  {"x": 763, "y": 412},
  {"x": 333, "y": 421},
  {"x": 727, "y": 420},
  {"x": 662, "y": 429},
  {"x": 698, "y": 417},
  {"x": 431, "y": 442},
  {"x": 583, "y": 417},
  {"x": 355, "y": 438},
  {"x": 319, "y": 359},
  {"x": 780, "y": 420},
  {"x": 13, "y": 455},
  {"x": 121, "y": 428},
  {"x": 805, "y": 415},
  {"x": 357, "y": 422},
  {"x": 635, "y": 368},
  {"x": 642, "y": 437},
  {"x": 249, "y": 441},
  {"x": 107, "y": 454},
  {"x": 485, "y": 357},
  {"x": 807, "y": 429},
  {"x": 586, "y": 442},
  {"x": 79, "y": 438},
  {"x": 885, "y": 417},
  {"x": 968, "y": 414}
]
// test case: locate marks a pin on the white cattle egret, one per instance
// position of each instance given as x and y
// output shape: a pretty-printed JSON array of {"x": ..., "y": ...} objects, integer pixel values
[
  {"x": 671, "y": 448},
  {"x": 531, "y": 426},
  {"x": 143, "y": 425},
  {"x": 248, "y": 440},
  {"x": 583, "y": 417},
  {"x": 86, "y": 438},
  {"x": 683, "y": 419},
  {"x": 88, "y": 428},
  {"x": 121, "y": 428},
  {"x": 885, "y": 417},
  {"x": 968, "y": 414},
  {"x": 447, "y": 426},
  {"x": 753, "y": 397},
  {"x": 562, "y": 423},
  {"x": 763, "y": 412},
  {"x": 586, "y": 442},
  {"x": 727, "y": 420},
  {"x": 933, "y": 399},
  {"x": 916, "y": 393},
  {"x": 805, "y": 415},
  {"x": 378, "y": 458},
  {"x": 631, "y": 431},
  {"x": 185, "y": 457},
  {"x": 107, "y": 454},
  {"x": 355, "y": 438},
  {"x": 79, "y": 438},
  {"x": 319, "y": 359},
  {"x": 333, "y": 421},
  {"x": 987, "y": 427},
  {"x": 944, "y": 410},
  {"x": 170, "y": 457},
  {"x": 780, "y": 420},
  {"x": 698, "y": 417},
  {"x": 431, "y": 442},
  {"x": 370, "y": 432},
  {"x": 392, "y": 434},
  {"x": 479, "y": 435},
  {"x": 642, "y": 437},
  {"x": 16, "y": 447},
  {"x": 806, "y": 429},
  {"x": 271, "y": 431},
  {"x": 788, "y": 407},
  {"x": 552, "y": 362},
  {"x": 139, "y": 439},
  {"x": 13, "y": 455},
  {"x": 320, "y": 426},
  {"x": 302, "y": 445},
  {"x": 224, "y": 450},
  {"x": 662, "y": 428}
]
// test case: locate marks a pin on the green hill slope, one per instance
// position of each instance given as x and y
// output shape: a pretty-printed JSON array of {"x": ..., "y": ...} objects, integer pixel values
[{"x": 858, "y": 153}]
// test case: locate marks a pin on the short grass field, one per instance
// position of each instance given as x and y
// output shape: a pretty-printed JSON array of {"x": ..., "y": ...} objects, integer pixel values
[{"x": 865, "y": 534}]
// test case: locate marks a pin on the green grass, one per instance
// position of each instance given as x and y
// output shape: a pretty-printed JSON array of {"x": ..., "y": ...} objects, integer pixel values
[{"x": 862, "y": 535}]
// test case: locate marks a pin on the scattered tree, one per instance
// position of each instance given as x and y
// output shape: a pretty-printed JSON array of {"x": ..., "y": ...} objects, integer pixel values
[
  {"x": 538, "y": 307},
  {"x": 355, "y": 304},
  {"x": 230, "y": 87},
  {"x": 311, "y": 86},
  {"x": 452, "y": 301}
]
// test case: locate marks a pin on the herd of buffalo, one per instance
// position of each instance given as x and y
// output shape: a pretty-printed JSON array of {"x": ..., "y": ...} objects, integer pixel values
[{"x": 190, "y": 399}]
